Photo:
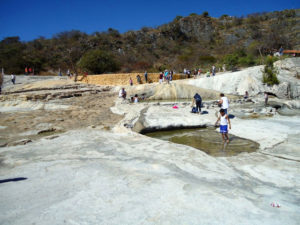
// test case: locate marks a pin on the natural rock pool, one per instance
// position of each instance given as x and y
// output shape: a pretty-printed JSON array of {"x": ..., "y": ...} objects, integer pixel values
[{"x": 207, "y": 140}]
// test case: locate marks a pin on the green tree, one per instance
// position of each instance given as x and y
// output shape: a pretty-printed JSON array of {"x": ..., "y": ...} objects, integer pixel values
[
  {"x": 231, "y": 60},
  {"x": 97, "y": 62},
  {"x": 270, "y": 73},
  {"x": 11, "y": 51},
  {"x": 205, "y": 14}
]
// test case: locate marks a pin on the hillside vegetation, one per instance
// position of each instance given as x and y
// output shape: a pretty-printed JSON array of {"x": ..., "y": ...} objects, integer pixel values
[{"x": 186, "y": 42}]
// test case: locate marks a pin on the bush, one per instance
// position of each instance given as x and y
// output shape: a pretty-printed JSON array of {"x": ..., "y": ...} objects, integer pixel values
[
  {"x": 270, "y": 73},
  {"x": 207, "y": 59},
  {"x": 231, "y": 60},
  {"x": 205, "y": 14},
  {"x": 193, "y": 14},
  {"x": 177, "y": 18},
  {"x": 247, "y": 61},
  {"x": 97, "y": 62}
]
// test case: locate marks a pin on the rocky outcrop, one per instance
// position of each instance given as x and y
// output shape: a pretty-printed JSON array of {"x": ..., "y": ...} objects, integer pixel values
[{"x": 250, "y": 80}]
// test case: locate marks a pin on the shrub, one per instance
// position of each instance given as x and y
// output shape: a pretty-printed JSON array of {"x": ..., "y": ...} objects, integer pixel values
[
  {"x": 97, "y": 62},
  {"x": 207, "y": 59},
  {"x": 225, "y": 16},
  {"x": 231, "y": 60},
  {"x": 177, "y": 18},
  {"x": 193, "y": 14},
  {"x": 270, "y": 73},
  {"x": 247, "y": 61},
  {"x": 205, "y": 14}
]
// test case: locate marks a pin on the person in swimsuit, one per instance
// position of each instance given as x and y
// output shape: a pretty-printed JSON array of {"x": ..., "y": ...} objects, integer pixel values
[{"x": 224, "y": 122}]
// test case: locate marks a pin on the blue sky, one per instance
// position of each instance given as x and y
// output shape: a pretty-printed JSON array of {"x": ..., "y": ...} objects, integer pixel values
[{"x": 30, "y": 19}]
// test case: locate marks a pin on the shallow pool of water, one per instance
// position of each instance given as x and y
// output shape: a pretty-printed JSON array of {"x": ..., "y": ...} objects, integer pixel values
[{"x": 207, "y": 140}]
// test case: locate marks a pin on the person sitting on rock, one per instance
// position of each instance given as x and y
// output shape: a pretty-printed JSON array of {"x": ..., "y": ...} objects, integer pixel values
[
  {"x": 122, "y": 93},
  {"x": 246, "y": 96},
  {"x": 136, "y": 98},
  {"x": 13, "y": 79}
]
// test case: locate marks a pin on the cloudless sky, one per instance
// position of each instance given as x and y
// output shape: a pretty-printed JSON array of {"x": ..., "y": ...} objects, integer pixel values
[{"x": 30, "y": 19}]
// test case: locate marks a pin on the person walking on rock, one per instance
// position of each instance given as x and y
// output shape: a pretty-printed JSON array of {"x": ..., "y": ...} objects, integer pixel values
[
  {"x": 224, "y": 103},
  {"x": 146, "y": 76},
  {"x": 224, "y": 122}
]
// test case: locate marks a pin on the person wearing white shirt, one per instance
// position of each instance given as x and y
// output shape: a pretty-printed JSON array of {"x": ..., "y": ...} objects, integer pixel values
[
  {"x": 224, "y": 103},
  {"x": 13, "y": 79}
]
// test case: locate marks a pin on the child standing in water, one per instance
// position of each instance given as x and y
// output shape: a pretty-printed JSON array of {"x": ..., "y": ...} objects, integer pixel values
[{"x": 225, "y": 121}]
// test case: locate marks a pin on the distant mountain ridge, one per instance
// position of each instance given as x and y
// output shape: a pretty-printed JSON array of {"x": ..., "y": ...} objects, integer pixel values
[{"x": 192, "y": 41}]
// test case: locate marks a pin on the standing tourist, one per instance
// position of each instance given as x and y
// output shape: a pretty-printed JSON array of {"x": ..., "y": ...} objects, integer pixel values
[
  {"x": 59, "y": 72},
  {"x": 166, "y": 75},
  {"x": 213, "y": 70},
  {"x": 26, "y": 70},
  {"x": 161, "y": 77},
  {"x": 281, "y": 51},
  {"x": 266, "y": 96},
  {"x": 224, "y": 103},
  {"x": 130, "y": 81},
  {"x": 207, "y": 74},
  {"x": 1, "y": 79},
  {"x": 138, "y": 79},
  {"x": 199, "y": 72},
  {"x": 189, "y": 73},
  {"x": 198, "y": 101},
  {"x": 146, "y": 76},
  {"x": 224, "y": 68},
  {"x": 13, "y": 79},
  {"x": 224, "y": 122},
  {"x": 68, "y": 73}
]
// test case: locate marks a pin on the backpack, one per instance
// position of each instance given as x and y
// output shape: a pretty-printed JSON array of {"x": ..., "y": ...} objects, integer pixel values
[{"x": 194, "y": 110}]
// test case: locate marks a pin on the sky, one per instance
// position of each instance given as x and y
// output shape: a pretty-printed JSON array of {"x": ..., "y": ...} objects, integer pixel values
[{"x": 30, "y": 19}]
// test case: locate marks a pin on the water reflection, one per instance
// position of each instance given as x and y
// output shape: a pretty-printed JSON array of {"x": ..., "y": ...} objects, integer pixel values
[{"x": 207, "y": 140}]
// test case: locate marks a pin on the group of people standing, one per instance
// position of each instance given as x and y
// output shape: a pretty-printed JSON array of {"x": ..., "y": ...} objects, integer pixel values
[
  {"x": 166, "y": 76},
  {"x": 139, "y": 79},
  {"x": 223, "y": 117},
  {"x": 208, "y": 73},
  {"x": 29, "y": 70}
]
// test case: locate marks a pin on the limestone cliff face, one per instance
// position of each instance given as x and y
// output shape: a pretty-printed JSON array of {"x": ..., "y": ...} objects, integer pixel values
[{"x": 201, "y": 29}]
